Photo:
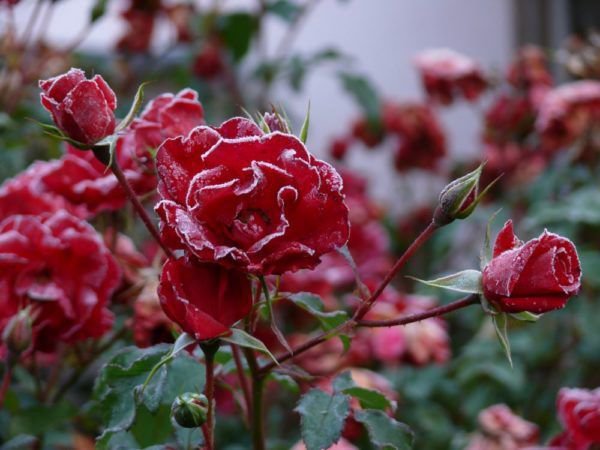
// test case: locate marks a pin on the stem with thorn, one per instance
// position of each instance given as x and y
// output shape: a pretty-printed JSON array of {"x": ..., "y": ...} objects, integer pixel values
[{"x": 102, "y": 153}]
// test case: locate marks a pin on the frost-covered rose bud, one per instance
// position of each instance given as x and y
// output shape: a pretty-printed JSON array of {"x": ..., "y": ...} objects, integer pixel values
[
  {"x": 82, "y": 109},
  {"x": 189, "y": 410},
  {"x": 537, "y": 276},
  {"x": 459, "y": 198}
]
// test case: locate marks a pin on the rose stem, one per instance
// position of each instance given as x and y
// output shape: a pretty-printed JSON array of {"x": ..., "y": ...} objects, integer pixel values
[
  {"x": 472, "y": 299},
  {"x": 408, "y": 253},
  {"x": 243, "y": 380},
  {"x": 257, "y": 426},
  {"x": 5, "y": 382},
  {"x": 137, "y": 205},
  {"x": 210, "y": 348},
  {"x": 366, "y": 306}
]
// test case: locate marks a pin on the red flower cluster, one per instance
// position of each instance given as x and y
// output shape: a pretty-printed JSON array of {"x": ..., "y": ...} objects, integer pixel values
[
  {"x": 538, "y": 276},
  {"x": 418, "y": 136},
  {"x": 567, "y": 112},
  {"x": 82, "y": 109},
  {"x": 140, "y": 18},
  {"x": 447, "y": 74},
  {"x": 579, "y": 413},
  {"x": 59, "y": 266},
  {"x": 529, "y": 73},
  {"x": 241, "y": 198},
  {"x": 79, "y": 183},
  {"x": 421, "y": 143}
]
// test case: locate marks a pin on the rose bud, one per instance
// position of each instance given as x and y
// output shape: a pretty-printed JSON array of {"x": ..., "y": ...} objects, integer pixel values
[
  {"x": 189, "y": 410},
  {"x": 536, "y": 277},
  {"x": 82, "y": 109},
  {"x": 17, "y": 335},
  {"x": 459, "y": 198},
  {"x": 205, "y": 300}
]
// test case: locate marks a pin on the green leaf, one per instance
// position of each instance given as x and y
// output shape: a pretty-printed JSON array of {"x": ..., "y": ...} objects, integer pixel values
[
  {"x": 313, "y": 304},
  {"x": 182, "y": 342},
  {"x": 500, "y": 322},
  {"x": 305, "y": 125},
  {"x": 468, "y": 281},
  {"x": 135, "y": 107},
  {"x": 243, "y": 339},
  {"x": 98, "y": 10},
  {"x": 343, "y": 381},
  {"x": 526, "y": 316},
  {"x": 284, "y": 9},
  {"x": 323, "y": 418},
  {"x": 118, "y": 396},
  {"x": 237, "y": 30},
  {"x": 369, "y": 399},
  {"x": 384, "y": 431},
  {"x": 365, "y": 95}
]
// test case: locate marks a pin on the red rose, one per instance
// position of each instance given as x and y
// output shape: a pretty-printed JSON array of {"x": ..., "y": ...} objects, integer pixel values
[
  {"x": 205, "y": 300},
  {"x": 82, "y": 109},
  {"x": 579, "y": 412},
  {"x": 59, "y": 266},
  {"x": 538, "y": 276},
  {"x": 208, "y": 63},
  {"x": 164, "y": 117},
  {"x": 242, "y": 198},
  {"x": 445, "y": 73},
  {"x": 26, "y": 194}
]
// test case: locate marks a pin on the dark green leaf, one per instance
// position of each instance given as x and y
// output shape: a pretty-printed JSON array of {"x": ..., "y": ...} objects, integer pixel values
[
  {"x": 385, "y": 432},
  {"x": 237, "y": 30},
  {"x": 135, "y": 107},
  {"x": 313, "y": 304},
  {"x": 323, "y": 417},
  {"x": 468, "y": 281},
  {"x": 365, "y": 95},
  {"x": 243, "y": 339},
  {"x": 369, "y": 399}
]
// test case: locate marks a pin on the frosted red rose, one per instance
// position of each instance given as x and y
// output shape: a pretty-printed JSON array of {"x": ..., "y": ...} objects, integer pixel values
[
  {"x": 59, "y": 266},
  {"x": 241, "y": 198},
  {"x": 538, "y": 276},
  {"x": 447, "y": 74},
  {"x": 82, "y": 109},
  {"x": 205, "y": 300},
  {"x": 579, "y": 412}
]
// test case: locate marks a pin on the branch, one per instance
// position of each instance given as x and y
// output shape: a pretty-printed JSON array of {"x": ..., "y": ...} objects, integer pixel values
[{"x": 472, "y": 299}]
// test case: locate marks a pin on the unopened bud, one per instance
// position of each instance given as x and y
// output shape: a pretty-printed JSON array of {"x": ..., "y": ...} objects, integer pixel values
[
  {"x": 459, "y": 198},
  {"x": 189, "y": 410},
  {"x": 18, "y": 332}
]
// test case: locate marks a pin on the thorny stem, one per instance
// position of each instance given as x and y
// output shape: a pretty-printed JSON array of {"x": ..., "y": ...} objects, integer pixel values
[
  {"x": 5, "y": 381},
  {"x": 408, "y": 253},
  {"x": 472, "y": 299},
  {"x": 137, "y": 205},
  {"x": 210, "y": 349},
  {"x": 257, "y": 422},
  {"x": 365, "y": 307},
  {"x": 243, "y": 380}
]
